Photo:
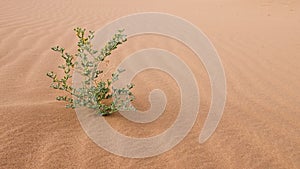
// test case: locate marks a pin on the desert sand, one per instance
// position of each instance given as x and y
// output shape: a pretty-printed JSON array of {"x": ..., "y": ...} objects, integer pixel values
[{"x": 259, "y": 46}]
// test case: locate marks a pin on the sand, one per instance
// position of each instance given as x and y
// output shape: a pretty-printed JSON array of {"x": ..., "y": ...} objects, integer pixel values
[{"x": 258, "y": 43}]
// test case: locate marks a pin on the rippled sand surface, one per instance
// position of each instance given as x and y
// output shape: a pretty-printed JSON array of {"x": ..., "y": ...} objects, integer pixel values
[{"x": 258, "y": 43}]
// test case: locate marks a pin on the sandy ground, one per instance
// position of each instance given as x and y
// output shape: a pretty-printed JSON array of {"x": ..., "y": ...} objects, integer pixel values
[{"x": 258, "y": 42}]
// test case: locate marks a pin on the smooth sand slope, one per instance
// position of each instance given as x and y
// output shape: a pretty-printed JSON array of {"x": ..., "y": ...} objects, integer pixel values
[{"x": 259, "y": 45}]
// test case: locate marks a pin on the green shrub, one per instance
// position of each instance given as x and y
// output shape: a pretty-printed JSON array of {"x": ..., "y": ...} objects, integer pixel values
[{"x": 94, "y": 92}]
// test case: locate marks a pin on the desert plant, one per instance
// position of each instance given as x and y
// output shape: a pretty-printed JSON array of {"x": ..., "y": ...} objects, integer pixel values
[{"x": 94, "y": 92}]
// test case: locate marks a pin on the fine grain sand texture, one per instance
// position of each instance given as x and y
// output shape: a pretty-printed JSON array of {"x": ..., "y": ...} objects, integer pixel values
[{"x": 258, "y": 42}]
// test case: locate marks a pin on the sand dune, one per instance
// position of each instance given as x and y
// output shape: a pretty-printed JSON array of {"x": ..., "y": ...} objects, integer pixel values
[{"x": 258, "y": 42}]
